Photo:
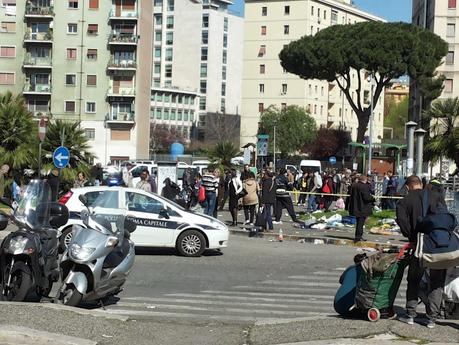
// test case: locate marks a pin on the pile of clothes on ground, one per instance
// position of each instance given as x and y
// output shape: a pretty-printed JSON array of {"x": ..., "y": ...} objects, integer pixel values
[
  {"x": 334, "y": 221},
  {"x": 387, "y": 226}
]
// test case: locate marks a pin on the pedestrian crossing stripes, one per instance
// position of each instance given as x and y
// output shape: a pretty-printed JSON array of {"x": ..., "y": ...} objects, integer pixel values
[{"x": 291, "y": 298}]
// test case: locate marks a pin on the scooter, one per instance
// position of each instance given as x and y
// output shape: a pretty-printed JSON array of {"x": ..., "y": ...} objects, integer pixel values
[
  {"x": 29, "y": 256},
  {"x": 100, "y": 255}
]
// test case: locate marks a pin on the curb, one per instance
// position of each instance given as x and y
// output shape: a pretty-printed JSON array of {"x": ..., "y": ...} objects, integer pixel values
[
  {"x": 21, "y": 335},
  {"x": 323, "y": 240}
]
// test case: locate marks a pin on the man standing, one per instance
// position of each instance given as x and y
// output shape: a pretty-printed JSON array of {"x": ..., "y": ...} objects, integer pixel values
[
  {"x": 283, "y": 198},
  {"x": 245, "y": 173},
  {"x": 210, "y": 183},
  {"x": 143, "y": 184},
  {"x": 409, "y": 214},
  {"x": 360, "y": 205},
  {"x": 391, "y": 190}
]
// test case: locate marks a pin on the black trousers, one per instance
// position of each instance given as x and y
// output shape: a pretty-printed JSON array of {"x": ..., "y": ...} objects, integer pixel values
[
  {"x": 360, "y": 221},
  {"x": 249, "y": 212},
  {"x": 286, "y": 203}
]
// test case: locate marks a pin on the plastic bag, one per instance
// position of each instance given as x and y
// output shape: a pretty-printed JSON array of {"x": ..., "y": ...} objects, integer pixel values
[{"x": 451, "y": 291}]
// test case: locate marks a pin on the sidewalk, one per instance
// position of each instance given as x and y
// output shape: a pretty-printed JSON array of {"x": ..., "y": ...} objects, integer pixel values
[{"x": 337, "y": 236}]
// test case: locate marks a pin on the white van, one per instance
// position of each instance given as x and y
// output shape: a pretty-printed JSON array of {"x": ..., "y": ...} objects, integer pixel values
[
  {"x": 311, "y": 165},
  {"x": 201, "y": 164}
]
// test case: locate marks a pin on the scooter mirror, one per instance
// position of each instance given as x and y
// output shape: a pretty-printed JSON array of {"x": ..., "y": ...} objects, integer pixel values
[
  {"x": 163, "y": 213},
  {"x": 83, "y": 200}
]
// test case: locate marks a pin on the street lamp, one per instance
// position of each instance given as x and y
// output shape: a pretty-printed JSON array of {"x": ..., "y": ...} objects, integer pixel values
[
  {"x": 410, "y": 136},
  {"x": 420, "y": 133},
  {"x": 370, "y": 139}
]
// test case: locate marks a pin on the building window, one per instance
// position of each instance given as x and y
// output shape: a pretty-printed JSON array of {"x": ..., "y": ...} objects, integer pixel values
[
  {"x": 286, "y": 29},
  {"x": 9, "y": 52},
  {"x": 283, "y": 106},
  {"x": 202, "y": 103},
  {"x": 261, "y": 88},
  {"x": 287, "y": 10},
  {"x": 169, "y": 38},
  {"x": 90, "y": 134},
  {"x": 325, "y": 15},
  {"x": 70, "y": 79},
  {"x": 318, "y": 13},
  {"x": 203, "y": 54},
  {"x": 261, "y": 107},
  {"x": 322, "y": 91},
  {"x": 321, "y": 110},
  {"x": 262, "y": 69},
  {"x": 170, "y": 22},
  {"x": 6, "y": 78},
  {"x": 73, "y": 4},
  {"x": 90, "y": 107},
  {"x": 185, "y": 115},
  {"x": 170, "y": 5},
  {"x": 225, "y": 41},
  {"x": 223, "y": 89},
  {"x": 225, "y": 57},
  {"x": 264, "y": 11},
  {"x": 158, "y": 2},
  {"x": 205, "y": 37},
  {"x": 93, "y": 29},
  {"x": 450, "y": 58},
  {"x": 312, "y": 10},
  {"x": 223, "y": 105},
  {"x": 91, "y": 80},
  {"x": 72, "y": 28},
  {"x": 262, "y": 51},
  {"x": 203, "y": 73},
  {"x": 225, "y": 24},
  {"x": 92, "y": 54},
  {"x": 158, "y": 19},
  {"x": 205, "y": 20},
  {"x": 334, "y": 17},
  {"x": 263, "y": 30},
  {"x": 168, "y": 54},
  {"x": 224, "y": 72},
  {"x": 173, "y": 112},
  {"x": 157, "y": 69},
  {"x": 180, "y": 115},
  {"x": 71, "y": 53},
  {"x": 284, "y": 89},
  {"x": 448, "y": 85},
  {"x": 450, "y": 30},
  {"x": 94, "y": 4},
  {"x": 158, "y": 36},
  {"x": 8, "y": 27},
  {"x": 166, "y": 114},
  {"x": 451, "y": 3},
  {"x": 315, "y": 109},
  {"x": 69, "y": 106},
  {"x": 157, "y": 52},
  {"x": 203, "y": 86},
  {"x": 158, "y": 113},
  {"x": 168, "y": 70},
  {"x": 312, "y": 30}
]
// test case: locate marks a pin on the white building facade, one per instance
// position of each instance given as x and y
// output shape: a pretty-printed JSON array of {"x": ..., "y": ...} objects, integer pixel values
[{"x": 269, "y": 26}]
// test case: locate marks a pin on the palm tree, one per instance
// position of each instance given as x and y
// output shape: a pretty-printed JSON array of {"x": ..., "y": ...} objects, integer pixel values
[
  {"x": 81, "y": 156},
  {"x": 443, "y": 118},
  {"x": 16, "y": 131},
  {"x": 222, "y": 153}
]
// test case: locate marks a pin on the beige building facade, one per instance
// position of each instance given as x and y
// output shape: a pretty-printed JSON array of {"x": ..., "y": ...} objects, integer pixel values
[
  {"x": 269, "y": 25},
  {"x": 79, "y": 60}
]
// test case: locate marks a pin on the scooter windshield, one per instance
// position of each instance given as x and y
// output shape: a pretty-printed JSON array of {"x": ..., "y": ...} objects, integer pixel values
[
  {"x": 106, "y": 217},
  {"x": 33, "y": 210}
]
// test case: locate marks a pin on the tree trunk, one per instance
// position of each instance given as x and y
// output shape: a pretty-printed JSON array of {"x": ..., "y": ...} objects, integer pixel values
[{"x": 364, "y": 119}]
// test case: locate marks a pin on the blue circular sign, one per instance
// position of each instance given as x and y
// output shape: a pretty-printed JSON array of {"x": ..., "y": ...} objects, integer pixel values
[
  {"x": 61, "y": 157},
  {"x": 332, "y": 160}
]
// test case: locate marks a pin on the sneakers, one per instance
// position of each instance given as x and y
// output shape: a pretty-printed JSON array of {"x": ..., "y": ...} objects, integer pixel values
[
  {"x": 406, "y": 319},
  {"x": 247, "y": 222},
  {"x": 430, "y": 324},
  {"x": 279, "y": 222}
]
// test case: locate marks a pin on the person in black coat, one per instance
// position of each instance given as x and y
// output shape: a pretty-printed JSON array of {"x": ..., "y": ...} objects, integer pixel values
[
  {"x": 268, "y": 196},
  {"x": 360, "y": 205}
]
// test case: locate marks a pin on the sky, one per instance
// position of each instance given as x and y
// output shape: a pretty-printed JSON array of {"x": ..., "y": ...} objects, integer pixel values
[{"x": 391, "y": 10}]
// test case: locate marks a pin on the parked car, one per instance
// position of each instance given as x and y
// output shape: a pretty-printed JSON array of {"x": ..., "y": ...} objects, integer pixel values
[{"x": 160, "y": 222}]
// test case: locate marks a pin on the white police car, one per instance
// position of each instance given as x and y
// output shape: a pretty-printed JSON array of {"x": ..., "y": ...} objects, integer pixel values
[{"x": 160, "y": 222}]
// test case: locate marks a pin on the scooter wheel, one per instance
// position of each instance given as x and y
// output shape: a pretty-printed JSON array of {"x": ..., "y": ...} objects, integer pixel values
[
  {"x": 21, "y": 282},
  {"x": 71, "y": 296},
  {"x": 373, "y": 314}
]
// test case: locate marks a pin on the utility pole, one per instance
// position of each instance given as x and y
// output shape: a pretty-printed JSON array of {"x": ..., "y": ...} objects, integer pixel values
[
  {"x": 419, "y": 150},
  {"x": 410, "y": 136},
  {"x": 370, "y": 141},
  {"x": 274, "y": 149}
]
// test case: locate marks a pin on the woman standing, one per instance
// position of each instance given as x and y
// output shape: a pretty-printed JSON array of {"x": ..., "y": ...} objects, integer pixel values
[
  {"x": 80, "y": 181},
  {"x": 268, "y": 197},
  {"x": 235, "y": 187},
  {"x": 251, "y": 199}
]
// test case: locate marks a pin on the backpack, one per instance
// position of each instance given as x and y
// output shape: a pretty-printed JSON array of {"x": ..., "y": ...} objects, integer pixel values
[{"x": 438, "y": 243}]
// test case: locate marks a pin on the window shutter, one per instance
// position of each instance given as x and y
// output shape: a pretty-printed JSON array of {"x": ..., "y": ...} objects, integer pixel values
[{"x": 94, "y": 4}]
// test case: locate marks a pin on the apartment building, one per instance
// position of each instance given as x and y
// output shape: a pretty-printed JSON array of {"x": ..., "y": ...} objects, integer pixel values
[
  {"x": 269, "y": 26},
  {"x": 442, "y": 18},
  {"x": 79, "y": 60},
  {"x": 197, "y": 62}
]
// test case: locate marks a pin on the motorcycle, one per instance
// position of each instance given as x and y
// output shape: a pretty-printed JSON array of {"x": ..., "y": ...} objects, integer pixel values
[
  {"x": 29, "y": 256},
  {"x": 100, "y": 255}
]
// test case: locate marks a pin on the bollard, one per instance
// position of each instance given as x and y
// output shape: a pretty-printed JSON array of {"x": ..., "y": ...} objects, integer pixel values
[{"x": 280, "y": 238}]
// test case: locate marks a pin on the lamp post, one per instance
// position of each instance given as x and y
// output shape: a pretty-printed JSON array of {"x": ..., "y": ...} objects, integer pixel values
[
  {"x": 420, "y": 133},
  {"x": 410, "y": 136},
  {"x": 274, "y": 149},
  {"x": 370, "y": 140}
]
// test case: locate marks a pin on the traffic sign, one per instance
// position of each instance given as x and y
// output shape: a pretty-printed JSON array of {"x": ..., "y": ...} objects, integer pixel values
[
  {"x": 42, "y": 129},
  {"x": 332, "y": 160},
  {"x": 262, "y": 145},
  {"x": 61, "y": 157}
]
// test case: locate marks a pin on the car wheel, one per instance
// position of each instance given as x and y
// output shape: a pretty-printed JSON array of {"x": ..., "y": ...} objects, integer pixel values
[
  {"x": 65, "y": 239},
  {"x": 191, "y": 243}
]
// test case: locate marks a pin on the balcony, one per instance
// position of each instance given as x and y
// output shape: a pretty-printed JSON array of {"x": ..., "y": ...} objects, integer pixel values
[
  {"x": 122, "y": 39},
  {"x": 37, "y": 62},
  {"x": 37, "y": 89},
  {"x": 121, "y": 92},
  {"x": 122, "y": 65},
  {"x": 120, "y": 119},
  {"x": 123, "y": 14},
  {"x": 39, "y": 12},
  {"x": 38, "y": 37},
  {"x": 37, "y": 115}
]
